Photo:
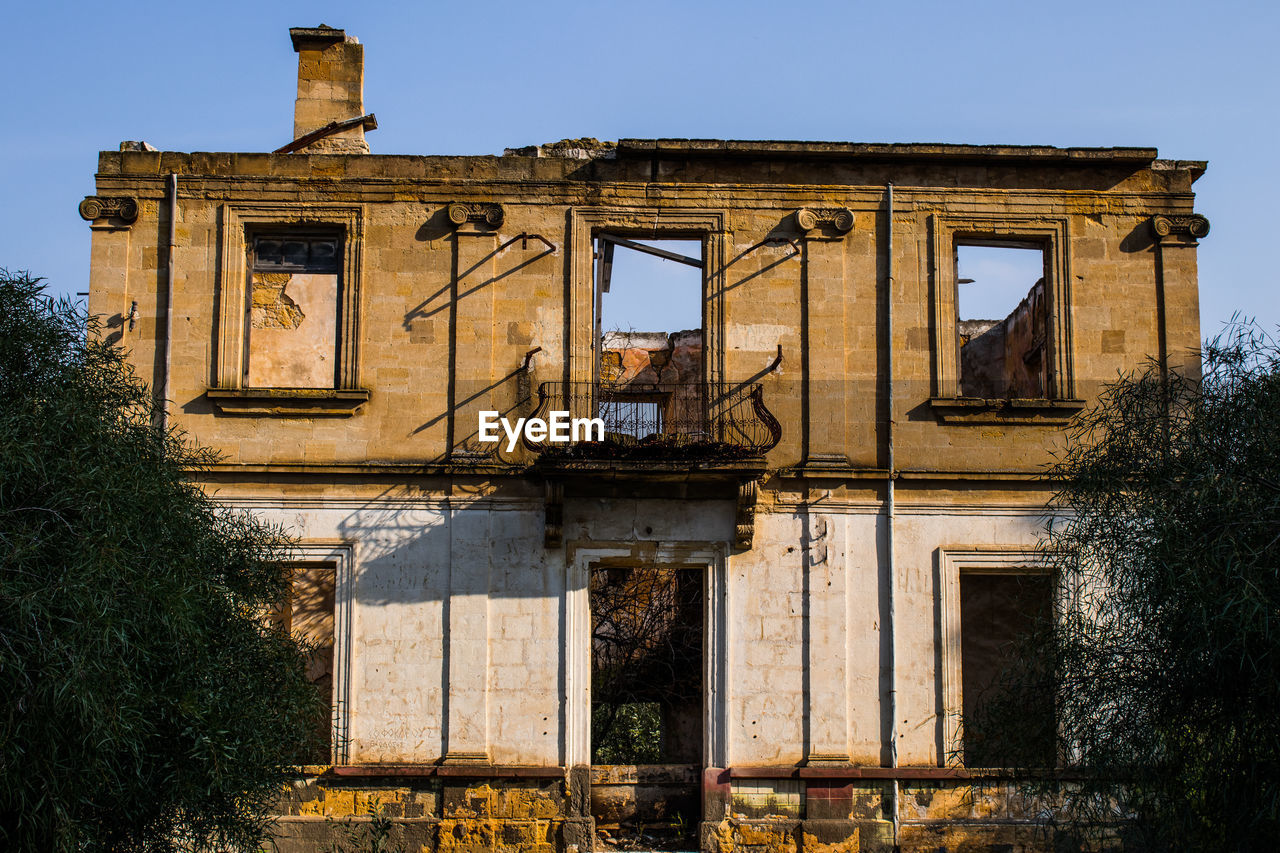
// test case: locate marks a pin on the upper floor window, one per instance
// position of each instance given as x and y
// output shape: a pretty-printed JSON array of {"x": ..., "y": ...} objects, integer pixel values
[
  {"x": 649, "y": 339},
  {"x": 1001, "y": 332},
  {"x": 1000, "y": 320},
  {"x": 289, "y": 311},
  {"x": 294, "y": 305}
]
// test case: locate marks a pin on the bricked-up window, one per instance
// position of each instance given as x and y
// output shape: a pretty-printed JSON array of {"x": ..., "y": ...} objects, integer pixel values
[
  {"x": 293, "y": 310},
  {"x": 1002, "y": 318},
  {"x": 308, "y": 616},
  {"x": 997, "y": 611}
]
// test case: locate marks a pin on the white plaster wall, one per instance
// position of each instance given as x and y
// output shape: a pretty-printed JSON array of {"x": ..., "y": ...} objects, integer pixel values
[
  {"x": 765, "y": 628},
  {"x": 920, "y": 532},
  {"x": 498, "y": 682},
  {"x": 525, "y": 660},
  {"x": 777, "y": 714},
  {"x": 588, "y": 520},
  {"x": 505, "y": 587},
  {"x": 771, "y": 720}
]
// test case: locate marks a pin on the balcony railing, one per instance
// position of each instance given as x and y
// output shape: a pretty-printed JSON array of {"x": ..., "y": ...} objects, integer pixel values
[{"x": 662, "y": 422}]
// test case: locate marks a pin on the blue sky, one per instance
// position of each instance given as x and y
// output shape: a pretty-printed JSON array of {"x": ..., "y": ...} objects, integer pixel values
[{"x": 1198, "y": 81}]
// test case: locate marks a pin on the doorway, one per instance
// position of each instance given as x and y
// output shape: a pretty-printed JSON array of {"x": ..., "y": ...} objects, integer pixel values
[{"x": 646, "y": 705}]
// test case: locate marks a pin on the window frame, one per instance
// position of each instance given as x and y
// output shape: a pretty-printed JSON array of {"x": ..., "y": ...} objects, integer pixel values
[
  {"x": 253, "y": 234},
  {"x": 644, "y": 223},
  {"x": 338, "y": 555},
  {"x": 238, "y": 226},
  {"x": 1050, "y": 234},
  {"x": 717, "y": 687}
]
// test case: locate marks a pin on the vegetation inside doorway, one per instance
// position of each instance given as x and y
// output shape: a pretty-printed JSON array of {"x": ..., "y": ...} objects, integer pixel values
[{"x": 646, "y": 706}]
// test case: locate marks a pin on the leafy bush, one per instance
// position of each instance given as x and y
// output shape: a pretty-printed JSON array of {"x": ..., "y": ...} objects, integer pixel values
[
  {"x": 1163, "y": 660},
  {"x": 145, "y": 704}
]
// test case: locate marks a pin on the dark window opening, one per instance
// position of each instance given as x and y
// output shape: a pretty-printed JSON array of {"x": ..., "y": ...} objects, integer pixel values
[
  {"x": 1002, "y": 320},
  {"x": 649, "y": 338},
  {"x": 646, "y": 706},
  {"x": 1007, "y": 700}
]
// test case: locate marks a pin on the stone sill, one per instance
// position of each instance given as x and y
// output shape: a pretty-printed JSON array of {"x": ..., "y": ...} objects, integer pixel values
[
  {"x": 1018, "y": 412},
  {"x": 288, "y": 402}
]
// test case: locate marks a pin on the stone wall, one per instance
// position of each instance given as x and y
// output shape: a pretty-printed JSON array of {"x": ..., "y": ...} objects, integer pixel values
[{"x": 461, "y": 629}]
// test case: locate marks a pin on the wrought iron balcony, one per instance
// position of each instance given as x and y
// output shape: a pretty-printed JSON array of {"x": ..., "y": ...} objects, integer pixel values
[{"x": 667, "y": 422}]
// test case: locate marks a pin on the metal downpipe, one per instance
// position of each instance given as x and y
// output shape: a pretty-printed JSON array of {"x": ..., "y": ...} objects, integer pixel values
[
  {"x": 890, "y": 512},
  {"x": 166, "y": 365}
]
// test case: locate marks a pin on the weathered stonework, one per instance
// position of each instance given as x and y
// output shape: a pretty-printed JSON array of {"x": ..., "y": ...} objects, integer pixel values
[
  {"x": 462, "y": 631},
  {"x": 123, "y": 208}
]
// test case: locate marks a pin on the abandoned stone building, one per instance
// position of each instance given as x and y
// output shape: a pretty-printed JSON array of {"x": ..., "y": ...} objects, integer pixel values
[{"x": 747, "y": 610}]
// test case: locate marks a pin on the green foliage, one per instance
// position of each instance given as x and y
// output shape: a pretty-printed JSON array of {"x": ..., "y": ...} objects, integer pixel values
[
  {"x": 626, "y": 733},
  {"x": 145, "y": 705},
  {"x": 646, "y": 648},
  {"x": 1163, "y": 660}
]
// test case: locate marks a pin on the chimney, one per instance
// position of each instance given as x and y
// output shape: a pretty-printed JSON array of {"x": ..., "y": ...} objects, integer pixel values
[{"x": 329, "y": 117}]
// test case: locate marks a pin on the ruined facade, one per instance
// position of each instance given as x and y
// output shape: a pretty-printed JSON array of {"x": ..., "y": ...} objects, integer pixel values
[{"x": 749, "y": 616}]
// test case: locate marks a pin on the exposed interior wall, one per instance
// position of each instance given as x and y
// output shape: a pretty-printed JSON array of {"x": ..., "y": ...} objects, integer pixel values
[
  {"x": 1006, "y": 358},
  {"x": 654, "y": 383},
  {"x": 652, "y": 359}
]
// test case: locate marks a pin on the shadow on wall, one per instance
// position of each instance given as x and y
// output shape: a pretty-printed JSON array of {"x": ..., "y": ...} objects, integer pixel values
[{"x": 412, "y": 551}]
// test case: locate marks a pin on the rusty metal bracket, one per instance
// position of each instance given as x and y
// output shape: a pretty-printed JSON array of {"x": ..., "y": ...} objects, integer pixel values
[
  {"x": 651, "y": 250},
  {"x": 369, "y": 121},
  {"x": 525, "y": 237}
]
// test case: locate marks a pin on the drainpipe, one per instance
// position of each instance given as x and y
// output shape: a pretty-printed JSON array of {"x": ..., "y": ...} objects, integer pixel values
[
  {"x": 890, "y": 508},
  {"x": 165, "y": 392}
]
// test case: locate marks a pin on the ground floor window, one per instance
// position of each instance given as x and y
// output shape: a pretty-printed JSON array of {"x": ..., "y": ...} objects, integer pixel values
[{"x": 998, "y": 611}]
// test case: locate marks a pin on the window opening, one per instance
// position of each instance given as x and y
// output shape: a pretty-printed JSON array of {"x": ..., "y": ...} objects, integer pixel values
[
  {"x": 1001, "y": 320},
  {"x": 997, "y": 612},
  {"x": 293, "y": 311},
  {"x": 308, "y": 615},
  {"x": 649, "y": 340},
  {"x": 646, "y": 705}
]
